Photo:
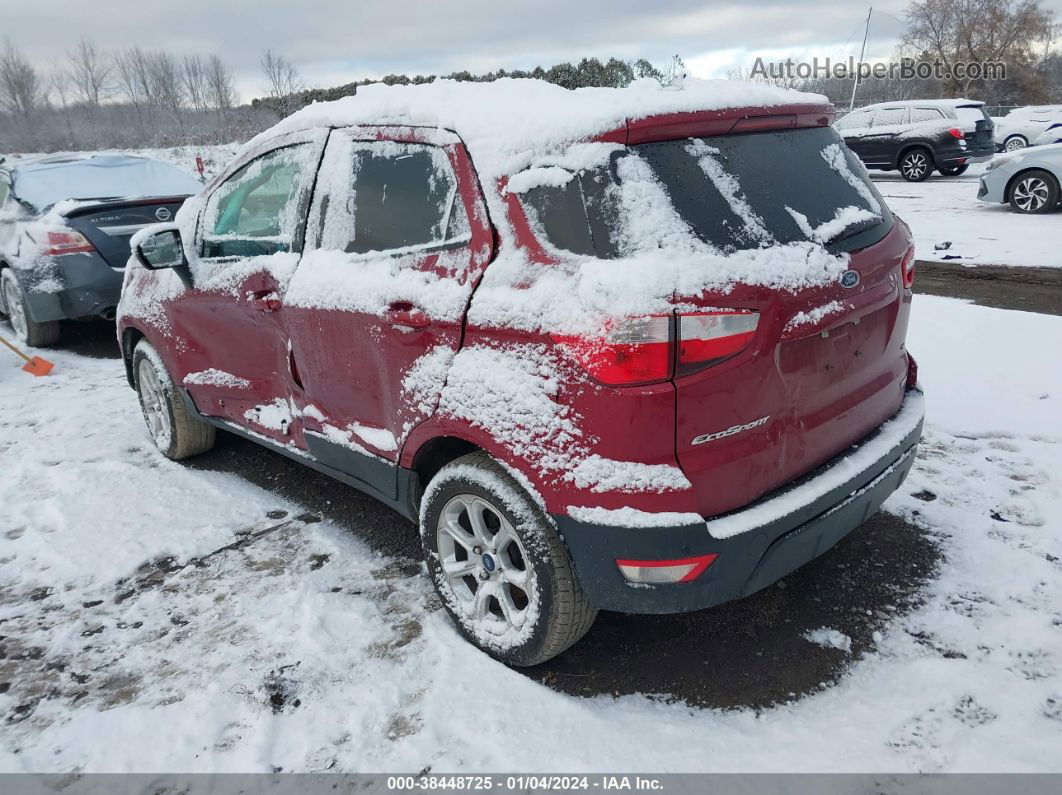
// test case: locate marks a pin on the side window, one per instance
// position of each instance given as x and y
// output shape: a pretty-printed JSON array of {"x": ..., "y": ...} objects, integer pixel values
[
  {"x": 5, "y": 189},
  {"x": 393, "y": 197},
  {"x": 259, "y": 209},
  {"x": 890, "y": 116},
  {"x": 919, "y": 115}
]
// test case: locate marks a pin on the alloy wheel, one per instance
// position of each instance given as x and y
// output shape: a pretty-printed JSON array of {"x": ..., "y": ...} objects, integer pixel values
[
  {"x": 1031, "y": 194},
  {"x": 1014, "y": 144},
  {"x": 485, "y": 565},
  {"x": 153, "y": 399},
  {"x": 16, "y": 312},
  {"x": 914, "y": 165}
]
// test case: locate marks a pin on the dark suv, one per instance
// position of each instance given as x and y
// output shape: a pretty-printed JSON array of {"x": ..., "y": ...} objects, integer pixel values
[
  {"x": 920, "y": 136},
  {"x": 620, "y": 349}
]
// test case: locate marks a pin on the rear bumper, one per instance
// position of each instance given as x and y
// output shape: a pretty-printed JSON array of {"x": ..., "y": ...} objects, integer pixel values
[
  {"x": 759, "y": 544},
  {"x": 71, "y": 286}
]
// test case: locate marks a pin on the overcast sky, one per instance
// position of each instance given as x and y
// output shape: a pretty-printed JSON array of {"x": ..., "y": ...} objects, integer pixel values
[{"x": 336, "y": 41}]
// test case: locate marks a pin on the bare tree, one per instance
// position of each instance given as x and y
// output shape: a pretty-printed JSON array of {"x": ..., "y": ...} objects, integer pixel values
[
  {"x": 166, "y": 90},
  {"x": 220, "y": 92},
  {"x": 953, "y": 31},
  {"x": 90, "y": 73},
  {"x": 285, "y": 82},
  {"x": 23, "y": 92},
  {"x": 194, "y": 81}
]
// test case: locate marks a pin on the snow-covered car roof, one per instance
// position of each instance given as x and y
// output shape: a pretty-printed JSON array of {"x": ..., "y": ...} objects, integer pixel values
[
  {"x": 505, "y": 122},
  {"x": 924, "y": 103},
  {"x": 45, "y": 181}
]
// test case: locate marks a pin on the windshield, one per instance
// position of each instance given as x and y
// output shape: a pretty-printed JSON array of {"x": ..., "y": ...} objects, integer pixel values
[
  {"x": 43, "y": 183},
  {"x": 729, "y": 192}
]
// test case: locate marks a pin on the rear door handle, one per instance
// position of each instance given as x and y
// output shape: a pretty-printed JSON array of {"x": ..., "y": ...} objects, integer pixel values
[
  {"x": 403, "y": 313},
  {"x": 265, "y": 300}
]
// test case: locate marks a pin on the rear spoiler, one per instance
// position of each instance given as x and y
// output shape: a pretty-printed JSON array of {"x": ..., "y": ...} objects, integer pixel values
[{"x": 697, "y": 124}]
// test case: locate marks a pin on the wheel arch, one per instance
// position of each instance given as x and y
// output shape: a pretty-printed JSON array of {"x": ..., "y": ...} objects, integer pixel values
[
  {"x": 130, "y": 336},
  {"x": 919, "y": 144},
  {"x": 1015, "y": 177}
]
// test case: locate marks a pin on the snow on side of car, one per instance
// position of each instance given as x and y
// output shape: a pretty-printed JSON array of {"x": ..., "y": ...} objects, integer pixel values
[
  {"x": 511, "y": 394},
  {"x": 214, "y": 377}
]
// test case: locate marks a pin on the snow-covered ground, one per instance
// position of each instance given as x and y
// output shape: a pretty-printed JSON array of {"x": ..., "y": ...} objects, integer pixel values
[
  {"x": 951, "y": 224},
  {"x": 157, "y": 617}
]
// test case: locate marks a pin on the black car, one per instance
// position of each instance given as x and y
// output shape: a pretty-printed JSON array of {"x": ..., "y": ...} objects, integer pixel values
[
  {"x": 65, "y": 224},
  {"x": 920, "y": 136}
]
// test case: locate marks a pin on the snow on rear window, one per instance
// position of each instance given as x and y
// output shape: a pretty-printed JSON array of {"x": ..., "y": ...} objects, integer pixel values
[{"x": 43, "y": 184}]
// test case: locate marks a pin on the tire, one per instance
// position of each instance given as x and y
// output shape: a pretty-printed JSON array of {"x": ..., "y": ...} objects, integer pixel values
[
  {"x": 175, "y": 432},
  {"x": 517, "y": 598},
  {"x": 916, "y": 164},
  {"x": 1015, "y": 143},
  {"x": 953, "y": 171},
  {"x": 1034, "y": 192},
  {"x": 28, "y": 331}
]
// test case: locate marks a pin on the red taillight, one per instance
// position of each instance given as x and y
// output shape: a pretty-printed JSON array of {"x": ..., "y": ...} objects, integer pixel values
[
  {"x": 633, "y": 350},
  {"x": 707, "y": 338},
  {"x": 638, "y": 350},
  {"x": 956, "y": 133},
  {"x": 67, "y": 242},
  {"x": 664, "y": 572},
  {"x": 912, "y": 371},
  {"x": 907, "y": 268}
]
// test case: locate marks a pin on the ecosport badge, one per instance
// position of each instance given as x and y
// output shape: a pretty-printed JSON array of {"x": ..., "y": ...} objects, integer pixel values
[{"x": 731, "y": 431}]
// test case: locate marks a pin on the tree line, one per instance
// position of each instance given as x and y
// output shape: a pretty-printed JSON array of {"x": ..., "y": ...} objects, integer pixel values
[{"x": 134, "y": 97}]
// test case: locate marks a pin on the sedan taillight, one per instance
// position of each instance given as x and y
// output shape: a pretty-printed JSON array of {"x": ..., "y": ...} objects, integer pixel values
[{"x": 67, "y": 242}]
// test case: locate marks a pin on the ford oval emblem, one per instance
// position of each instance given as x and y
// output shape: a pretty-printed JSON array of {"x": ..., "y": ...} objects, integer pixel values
[
  {"x": 849, "y": 279},
  {"x": 163, "y": 214}
]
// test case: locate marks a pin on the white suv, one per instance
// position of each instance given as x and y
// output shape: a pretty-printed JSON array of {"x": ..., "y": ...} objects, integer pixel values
[{"x": 1022, "y": 126}]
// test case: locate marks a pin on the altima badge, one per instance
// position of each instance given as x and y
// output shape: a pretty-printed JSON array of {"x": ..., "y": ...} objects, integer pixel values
[{"x": 731, "y": 431}]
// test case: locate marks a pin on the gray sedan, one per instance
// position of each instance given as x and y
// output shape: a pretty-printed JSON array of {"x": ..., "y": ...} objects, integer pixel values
[{"x": 1028, "y": 179}]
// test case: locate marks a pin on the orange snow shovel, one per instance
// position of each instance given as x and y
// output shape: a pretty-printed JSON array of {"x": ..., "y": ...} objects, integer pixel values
[{"x": 34, "y": 365}]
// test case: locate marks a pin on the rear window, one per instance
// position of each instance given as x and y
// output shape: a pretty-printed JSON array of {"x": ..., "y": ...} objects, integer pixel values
[
  {"x": 969, "y": 116},
  {"x": 44, "y": 183},
  {"x": 731, "y": 192}
]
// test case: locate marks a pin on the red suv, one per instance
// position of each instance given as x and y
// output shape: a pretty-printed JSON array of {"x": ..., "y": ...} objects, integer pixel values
[{"x": 626, "y": 349}]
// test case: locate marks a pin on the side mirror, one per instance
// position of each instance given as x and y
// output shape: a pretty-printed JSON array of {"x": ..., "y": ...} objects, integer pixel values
[{"x": 163, "y": 249}]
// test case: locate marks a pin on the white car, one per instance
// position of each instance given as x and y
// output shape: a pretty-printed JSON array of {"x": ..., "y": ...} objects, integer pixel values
[
  {"x": 1023, "y": 126},
  {"x": 1052, "y": 135}
]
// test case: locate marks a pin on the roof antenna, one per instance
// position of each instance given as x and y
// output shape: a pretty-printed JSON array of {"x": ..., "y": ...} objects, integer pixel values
[{"x": 859, "y": 68}]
